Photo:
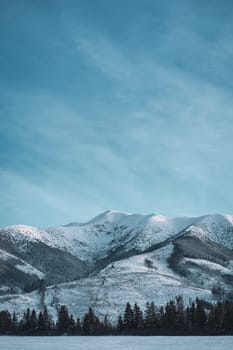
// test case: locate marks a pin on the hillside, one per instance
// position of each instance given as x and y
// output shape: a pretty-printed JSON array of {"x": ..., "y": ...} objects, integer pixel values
[{"x": 114, "y": 258}]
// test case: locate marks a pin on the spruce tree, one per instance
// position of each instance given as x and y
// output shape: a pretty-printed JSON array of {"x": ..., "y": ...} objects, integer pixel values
[
  {"x": 5, "y": 322},
  {"x": 161, "y": 318},
  {"x": 41, "y": 323},
  {"x": 26, "y": 321},
  {"x": 90, "y": 323},
  {"x": 106, "y": 325},
  {"x": 63, "y": 322},
  {"x": 138, "y": 317},
  {"x": 218, "y": 313},
  {"x": 193, "y": 316},
  {"x": 200, "y": 314},
  {"x": 151, "y": 320},
  {"x": 78, "y": 326},
  {"x": 72, "y": 326},
  {"x": 47, "y": 320},
  {"x": 33, "y": 322},
  {"x": 170, "y": 315},
  {"x": 120, "y": 324},
  {"x": 228, "y": 316},
  {"x": 180, "y": 316},
  {"x": 14, "y": 323},
  {"x": 211, "y": 318},
  {"x": 128, "y": 318}
]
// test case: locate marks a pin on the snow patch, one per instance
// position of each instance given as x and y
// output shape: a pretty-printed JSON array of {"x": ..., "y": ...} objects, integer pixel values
[
  {"x": 30, "y": 270},
  {"x": 209, "y": 265}
]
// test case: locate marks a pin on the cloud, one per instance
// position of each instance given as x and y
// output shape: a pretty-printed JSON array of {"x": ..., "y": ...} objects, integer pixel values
[{"x": 111, "y": 121}]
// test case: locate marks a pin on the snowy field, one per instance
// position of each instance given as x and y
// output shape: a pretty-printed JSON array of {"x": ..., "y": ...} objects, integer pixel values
[{"x": 116, "y": 343}]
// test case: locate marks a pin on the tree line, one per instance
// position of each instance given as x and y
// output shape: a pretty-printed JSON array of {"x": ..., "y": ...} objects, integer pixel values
[{"x": 198, "y": 318}]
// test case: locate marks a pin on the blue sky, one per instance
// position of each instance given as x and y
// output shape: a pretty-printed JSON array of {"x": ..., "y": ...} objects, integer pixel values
[{"x": 106, "y": 104}]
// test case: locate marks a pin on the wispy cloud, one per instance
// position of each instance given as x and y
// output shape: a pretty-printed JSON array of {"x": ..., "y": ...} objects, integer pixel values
[{"x": 111, "y": 121}]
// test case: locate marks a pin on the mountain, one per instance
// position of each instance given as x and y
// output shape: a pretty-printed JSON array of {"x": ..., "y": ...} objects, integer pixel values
[{"x": 114, "y": 258}]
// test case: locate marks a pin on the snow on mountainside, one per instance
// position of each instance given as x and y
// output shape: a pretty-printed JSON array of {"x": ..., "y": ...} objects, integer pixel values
[
  {"x": 22, "y": 235},
  {"x": 111, "y": 227},
  {"x": 108, "y": 291},
  {"x": 117, "y": 257},
  {"x": 218, "y": 228},
  {"x": 106, "y": 231}
]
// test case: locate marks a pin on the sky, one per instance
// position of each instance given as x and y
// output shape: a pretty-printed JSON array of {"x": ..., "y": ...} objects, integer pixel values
[{"x": 124, "y": 105}]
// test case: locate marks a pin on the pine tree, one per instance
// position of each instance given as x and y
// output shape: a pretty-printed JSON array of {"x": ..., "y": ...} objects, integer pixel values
[
  {"x": 193, "y": 316},
  {"x": 78, "y": 326},
  {"x": 211, "y": 318},
  {"x": 138, "y": 317},
  {"x": 26, "y": 321},
  {"x": 228, "y": 316},
  {"x": 72, "y": 326},
  {"x": 161, "y": 318},
  {"x": 128, "y": 318},
  {"x": 33, "y": 322},
  {"x": 90, "y": 323},
  {"x": 106, "y": 325},
  {"x": 170, "y": 315},
  {"x": 14, "y": 323},
  {"x": 41, "y": 323},
  {"x": 5, "y": 322},
  {"x": 180, "y": 316},
  {"x": 218, "y": 313},
  {"x": 47, "y": 320},
  {"x": 120, "y": 324},
  {"x": 63, "y": 322},
  {"x": 151, "y": 320},
  {"x": 200, "y": 314}
]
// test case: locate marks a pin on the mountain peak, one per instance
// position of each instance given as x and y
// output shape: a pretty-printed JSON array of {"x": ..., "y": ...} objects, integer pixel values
[{"x": 108, "y": 216}]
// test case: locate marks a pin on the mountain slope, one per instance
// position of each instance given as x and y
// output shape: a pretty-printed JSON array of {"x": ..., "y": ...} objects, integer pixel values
[{"x": 117, "y": 257}]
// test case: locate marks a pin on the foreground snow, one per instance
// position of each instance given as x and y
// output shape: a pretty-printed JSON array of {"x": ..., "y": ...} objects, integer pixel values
[{"x": 116, "y": 343}]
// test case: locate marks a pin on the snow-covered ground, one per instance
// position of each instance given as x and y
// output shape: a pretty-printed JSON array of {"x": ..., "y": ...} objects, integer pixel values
[
  {"x": 130, "y": 279},
  {"x": 210, "y": 265},
  {"x": 116, "y": 343}
]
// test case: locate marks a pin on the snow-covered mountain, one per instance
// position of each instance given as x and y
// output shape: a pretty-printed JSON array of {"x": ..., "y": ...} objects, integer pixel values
[{"x": 114, "y": 258}]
